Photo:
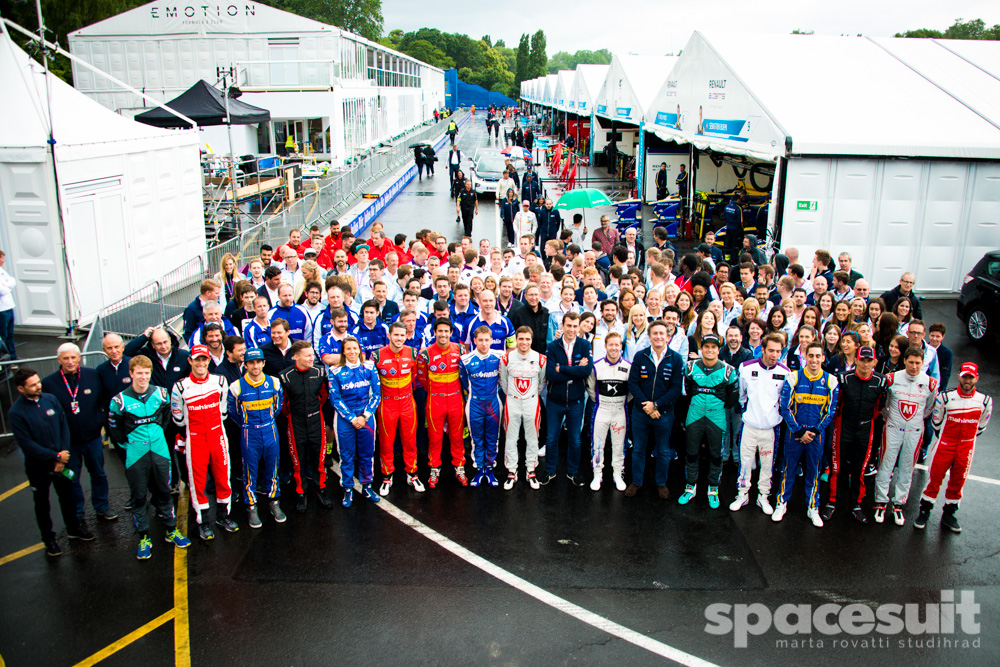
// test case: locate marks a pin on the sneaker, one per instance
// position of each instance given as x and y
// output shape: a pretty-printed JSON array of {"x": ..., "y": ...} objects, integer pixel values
[
  {"x": 619, "y": 482},
  {"x": 52, "y": 548},
  {"x": 859, "y": 515},
  {"x": 145, "y": 548},
  {"x": 663, "y": 492},
  {"x": 576, "y": 479},
  {"x": 227, "y": 524},
  {"x": 871, "y": 470},
  {"x": 631, "y": 490},
  {"x": 432, "y": 481},
  {"x": 414, "y": 481},
  {"x": 253, "y": 516},
  {"x": 511, "y": 481},
  {"x": 779, "y": 512},
  {"x": 713, "y": 497},
  {"x": 324, "y": 499},
  {"x": 386, "y": 485},
  {"x": 765, "y": 505},
  {"x": 348, "y": 497},
  {"x": 491, "y": 478},
  {"x": 205, "y": 532},
  {"x": 276, "y": 512},
  {"x": 478, "y": 478},
  {"x": 128, "y": 505},
  {"x": 897, "y": 516},
  {"x": 83, "y": 533},
  {"x": 301, "y": 504},
  {"x": 828, "y": 511},
  {"x": 824, "y": 477},
  {"x": 879, "y": 513},
  {"x": 533, "y": 481},
  {"x": 741, "y": 501},
  {"x": 814, "y": 516},
  {"x": 595, "y": 484},
  {"x": 923, "y": 515},
  {"x": 369, "y": 493},
  {"x": 107, "y": 515},
  {"x": 177, "y": 539},
  {"x": 688, "y": 494},
  {"x": 541, "y": 450},
  {"x": 948, "y": 519},
  {"x": 544, "y": 478},
  {"x": 460, "y": 476}
]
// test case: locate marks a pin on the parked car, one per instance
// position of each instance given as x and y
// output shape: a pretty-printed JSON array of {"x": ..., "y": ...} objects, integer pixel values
[
  {"x": 486, "y": 170},
  {"x": 979, "y": 302}
]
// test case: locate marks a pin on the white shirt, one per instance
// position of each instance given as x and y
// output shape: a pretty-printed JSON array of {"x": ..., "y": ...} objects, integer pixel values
[{"x": 7, "y": 285}]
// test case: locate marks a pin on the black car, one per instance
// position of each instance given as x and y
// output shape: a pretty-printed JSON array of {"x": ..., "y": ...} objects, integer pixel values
[{"x": 979, "y": 302}]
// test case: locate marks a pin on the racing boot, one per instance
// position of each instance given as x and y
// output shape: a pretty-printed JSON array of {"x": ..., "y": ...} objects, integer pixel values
[
  {"x": 814, "y": 516},
  {"x": 948, "y": 519},
  {"x": 460, "y": 476},
  {"x": 924, "y": 514},
  {"x": 828, "y": 511},
  {"x": 369, "y": 493},
  {"x": 742, "y": 500},
  {"x": 490, "y": 478},
  {"x": 595, "y": 484},
  {"x": 301, "y": 504},
  {"x": 765, "y": 505},
  {"x": 348, "y": 497},
  {"x": 478, "y": 478},
  {"x": 688, "y": 494},
  {"x": 713, "y": 497},
  {"x": 276, "y": 512},
  {"x": 324, "y": 499},
  {"x": 253, "y": 516},
  {"x": 432, "y": 481},
  {"x": 779, "y": 512},
  {"x": 879, "y": 513},
  {"x": 619, "y": 482},
  {"x": 533, "y": 480},
  {"x": 386, "y": 485},
  {"x": 897, "y": 516},
  {"x": 511, "y": 481},
  {"x": 859, "y": 515},
  {"x": 414, "y": 480}
]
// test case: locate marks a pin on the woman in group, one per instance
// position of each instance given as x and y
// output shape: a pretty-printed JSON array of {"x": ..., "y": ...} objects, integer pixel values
[
  {"x": 654, "y": 306},
  {"x": 831, "y": 342},
  {"x": 842, "y": 315},
  {"x": 240, "y": 308},
  {"x": 804, "y": 337},
  {"x": 626, "y": 302},
  {"x": 903, "y": 312},
  {"x": 685, "y": 303},
  {"x": 476, "y": 286},
  {"x": 490, "y": 283},
  {"x": 749, "y": 312},
  {"x": 886, "y": 328},
  {"x": 640, "y": 292},
  {"x": 509, "y": 208},
  {"x": 776, "y": 320},
  {"x": 670, "y": 294},
  {"x": 228, "y": 276},
  {"x": 706, "y": 324},
  {"x": 567, "y": 304},
  {"x": 458, "y": 185},
  {"x": 875, "y": 309},
  {"x": 311, "y": 272},
  {"x": 635, "y": 333},
  {"x": 892, "y": 360},
  {"x": 859, "y": 312},
  {"x": 588, "y": 322},
  {"x": 755, "y": 333},
  {"x": 866, "y": 335},
  {"x": 826, "y": 304},
  {"x": 846, "y": 359},
  {"x": 355, "y": 394}
]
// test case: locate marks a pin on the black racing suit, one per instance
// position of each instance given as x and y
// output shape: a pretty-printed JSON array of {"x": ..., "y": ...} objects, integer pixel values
[
  {"x": 305, "y": 393},
  {"x": 853, "y": 428}
]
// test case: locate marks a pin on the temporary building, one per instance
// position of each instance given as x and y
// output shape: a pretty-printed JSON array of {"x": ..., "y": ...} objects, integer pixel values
[
  {"x": 129, "y": 195},
  {"x": 204, "y": 104},
  {"x": 564, "y": 86},
  {"x": 888, "y": 149},
  {"x": 549, "y": 89},
  {"x": 587, "y": 83}
]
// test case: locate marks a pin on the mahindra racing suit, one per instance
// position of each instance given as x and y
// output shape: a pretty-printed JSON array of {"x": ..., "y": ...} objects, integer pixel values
[
  {"x": 371, "y": 340},
  {"x": 396, "y": 370},
  {"x": 958, "y": 420},
  {"x": 481, "y": 381},
  {"x": 607, "y": 386},
  {"x": 853, "y": 426},
  {"x": 354, "y": 392},
  {"x": 760, "y": 392},
  {"x": 712, "y": 390},
  {"x": 807, "y": 404},
  {"x": 438, "y": 374},
  {"x": 909, "y": 401},
  {"x": 305, "y": 394},
  {"x": 200, "y": 406},
  {"x": 254, "y": 407},
  {"x": 522, "y": 379}
]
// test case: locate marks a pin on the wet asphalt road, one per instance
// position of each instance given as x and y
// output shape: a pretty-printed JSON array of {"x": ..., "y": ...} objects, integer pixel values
[{"x": 358, "y": 586}]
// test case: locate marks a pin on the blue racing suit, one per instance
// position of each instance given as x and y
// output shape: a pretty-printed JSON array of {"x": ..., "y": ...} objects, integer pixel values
[
  {"x": 253, "y": 407},
  {"x": 296, "y": 318},
  {"x": 371, "y": 340},
  {"x": 480, "y": 377},
  {"x": 806, "y": 404},
  {"x": 355, "y": 391}
]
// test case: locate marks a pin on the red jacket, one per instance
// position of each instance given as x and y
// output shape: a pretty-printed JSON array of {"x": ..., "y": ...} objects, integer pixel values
[
  {"x": 437, "y": 369},
  {"x": 396, "y": 371},
  {"x": 374, "y": 252}
]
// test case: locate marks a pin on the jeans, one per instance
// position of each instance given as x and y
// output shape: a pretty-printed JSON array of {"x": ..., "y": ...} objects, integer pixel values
[
  {"x": 641, "y": 423},
  {"x": 573, "y": 415},
  {"x": 91, "y": 453},
  {"x": 731, "y": 438},
  {"x": 7, "y": 331}
]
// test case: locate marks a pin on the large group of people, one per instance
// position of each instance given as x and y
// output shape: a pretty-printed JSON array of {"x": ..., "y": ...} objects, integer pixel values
[{"x": 383, "y": 350}]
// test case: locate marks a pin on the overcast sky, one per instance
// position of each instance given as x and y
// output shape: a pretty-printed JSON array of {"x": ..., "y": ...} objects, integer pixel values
[{"x": 657, "y": 27}]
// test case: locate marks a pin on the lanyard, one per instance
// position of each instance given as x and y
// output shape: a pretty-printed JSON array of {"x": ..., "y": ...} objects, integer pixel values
[{"x": 72, "y": 392}]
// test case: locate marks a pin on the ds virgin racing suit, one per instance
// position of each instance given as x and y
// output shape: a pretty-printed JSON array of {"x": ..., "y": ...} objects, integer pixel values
[
  {"x": 199, "y": 405},
  {"x": 438, "y": 374},
  {"x": 807, "y": 404},
  {"x": 860, "y": 400},
  {"x": 305, "y": 394},
  {"x": 354, "y": 392},
  {"x": 712, "y": 390},
  {"x": 396, "y": 371},
  {"x": 481, "y": 381},
  {"x": 760, "y": 393},
  {"x": 909, "y": 401},
  {"x": 958, "y": 420},
  {"x": 522, "y": 379},
  {"x": 254, "y": 407},
  {"x": 607, "y": 387}
]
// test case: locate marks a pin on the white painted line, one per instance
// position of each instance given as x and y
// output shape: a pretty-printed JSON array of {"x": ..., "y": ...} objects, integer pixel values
[
  {"x": 977, "y": 478},
  {"x": 540, "y": 594}
]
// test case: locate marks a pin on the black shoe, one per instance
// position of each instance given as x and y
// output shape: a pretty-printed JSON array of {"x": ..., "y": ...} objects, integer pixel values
[
  {"x": 923, "y": 515},
  {"x": 52, "y": 548},
  {"x": 107, "y": 515},
  {"x": 205, "y": 532},
  {"x": 82, "y": 533},
  {"x": 544, "y": 478},
  {"x": 871, "y": 470},
  {"x": 227, "y": 524},
  {"x": 302, "y": 505},
  {"x": 859, "y": 515},
  {"x": 576, "y": 480},
  {"x": 948, "y": 519},
  {"x": 128, "y": 505},
  {"x": 324, "y": 500},
  {"x": 827, "y": 512}
]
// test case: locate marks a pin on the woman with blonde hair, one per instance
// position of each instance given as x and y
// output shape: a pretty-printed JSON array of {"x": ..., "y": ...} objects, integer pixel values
[
  {"x": 750, "y": 312},
  {"x": 635, "y": 332},
  {"x": 228, "y": 276},
  {"x": 310, "y": 273},
  {"x": 490, "y": 283}
]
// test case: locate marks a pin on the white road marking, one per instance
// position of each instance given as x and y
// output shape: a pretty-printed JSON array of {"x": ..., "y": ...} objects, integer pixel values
[
  {"x": 977, "y": 478},
  {"x": 540, "y": 594}
]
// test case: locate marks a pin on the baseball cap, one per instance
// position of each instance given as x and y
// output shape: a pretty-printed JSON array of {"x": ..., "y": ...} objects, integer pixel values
[
  {"x": 711, "y": 338},
  {"x": 969, "y": 368},
  {"x": 525, "y": 202},
  {"x": 253, "y": 353},
  {"x": 866, "y": 352},
  {"x": 310, "y": 251},
  {"x": 361, "y": 246},
  {"x": 200, "y": 351}
]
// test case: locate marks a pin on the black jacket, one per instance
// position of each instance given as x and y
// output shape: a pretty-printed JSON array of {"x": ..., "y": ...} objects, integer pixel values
[
  {"x": 568, "y": 383},
  {"x": 515, "y": 306},
  {"x": 163, "y": 376},
  {"x": 305, "y": 391},
  {"x": 113, "y": 380},
  {"x": 859, "y": 400},
  {"x": 87, "y": 423},
  {"x": 40, "y": 430},
  {"x": 549, "y": 222},
  {"x": 538, "y": 322},
  {"x": 892, "y": 296},
  {"x": 274, "y": 361},
  {"x": 227, "y": 369}
]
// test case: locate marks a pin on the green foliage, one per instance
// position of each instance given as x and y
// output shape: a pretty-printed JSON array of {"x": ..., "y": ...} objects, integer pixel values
[
  {"x": 430, "y": 54},
  {"x": 960, "y": 29},
  {"x": 537, "y": 60},
  {"x": 803, "y": 32},
  {"x": 363, "y": 17},
  {"x": 523, "y": 62},
  {"x": 565, "y": 60}
]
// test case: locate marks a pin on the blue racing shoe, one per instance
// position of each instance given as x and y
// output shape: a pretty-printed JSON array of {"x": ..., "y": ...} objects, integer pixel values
[
  {"x": 368, "y": 492},
  {"x": 145, "y": 548},
  {"x": 348, "y": 497},
  {"x": 179, "y": 540},
  {"x": 688, "y": 494},
  {"x": 713, "y": 497},
  {"x": 490, "y": 478},
  {"x": 479, "y": 477}
]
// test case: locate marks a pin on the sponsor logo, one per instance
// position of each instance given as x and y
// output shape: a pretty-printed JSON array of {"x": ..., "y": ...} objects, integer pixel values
[
  {"x": 907, "y": 409},
  {"x": 523, "y": 384},
  {"x": 50, "y": 412}
]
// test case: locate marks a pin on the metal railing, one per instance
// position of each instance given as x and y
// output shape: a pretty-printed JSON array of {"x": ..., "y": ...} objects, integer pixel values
[
  {"x": 286, "y": 74},
  {"x": 44, "y": 366}
]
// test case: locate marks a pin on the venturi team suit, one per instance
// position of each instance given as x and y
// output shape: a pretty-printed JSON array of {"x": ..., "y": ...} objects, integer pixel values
[
  {"x": 480, "y": 377},
  {"x": 958, "y": 420},
  {"x": 807, "y": 403},
  {"x": 438, "y": 374},
  {"x": 522, "y": 379},
  {"x": 254, "y": 408},
  {"x": 760, "y": 393},
  {"x": 396, "y": 371},
  {"x": 354, "y": 392},
  {"x": 305, "y": 394},
  {"x": 607, "y": 387},
  {"x": 199, "y": 406},
  {"x": 712, "y": 390},
  {"x": 909, "y": 401},
  {"x": 853, "y": 428}
]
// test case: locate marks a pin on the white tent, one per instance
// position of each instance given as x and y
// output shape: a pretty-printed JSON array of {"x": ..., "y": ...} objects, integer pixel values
[
  {"x": 564, "y": 85},
  {"x": 130, "y": 197},
  {"x": 549, "y": 89},
  {"x": 629, "y": 86},
  {"x": 586, "y": 84}
]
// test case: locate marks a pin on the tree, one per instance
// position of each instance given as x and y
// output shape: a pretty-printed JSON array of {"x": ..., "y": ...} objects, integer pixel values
[
  {"x": 565, "y": 60},
  {"x": 363, "y": 17},
  {"x": 960, "y": 29},
  {"x": 803, "y": 32},
  {"x": 523, "y": 62},
  {"x": 538, "y": 58},
  {"x": 430, "y": 54},
  {"x": 393, "y": 39}
]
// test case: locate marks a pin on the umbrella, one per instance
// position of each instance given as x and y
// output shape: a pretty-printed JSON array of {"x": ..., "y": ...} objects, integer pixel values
[
  {"x": 583, "y": 198},
  {"x": 516, "y": 151},
  {"x": 419, "y": 144}
]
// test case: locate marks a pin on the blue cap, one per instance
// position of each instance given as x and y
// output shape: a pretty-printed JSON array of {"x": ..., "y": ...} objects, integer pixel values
[{"x": 253, "y": 353}]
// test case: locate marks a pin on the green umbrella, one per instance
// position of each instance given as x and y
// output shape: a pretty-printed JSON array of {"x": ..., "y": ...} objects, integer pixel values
[{"x": 583, "y": 198}]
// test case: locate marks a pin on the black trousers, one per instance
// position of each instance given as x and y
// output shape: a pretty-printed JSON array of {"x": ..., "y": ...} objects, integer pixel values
[
  {"x": 467, "y": 217},
  {"x": 40, "y": 480}
]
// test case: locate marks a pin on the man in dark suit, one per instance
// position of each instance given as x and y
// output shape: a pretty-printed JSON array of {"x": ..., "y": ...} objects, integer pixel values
[
  {"x": 632, "y": 244},
  {"x": 193, "y": 315},
  {"x": 269, "y": 290},
  {"x": 533, "y": 315}
]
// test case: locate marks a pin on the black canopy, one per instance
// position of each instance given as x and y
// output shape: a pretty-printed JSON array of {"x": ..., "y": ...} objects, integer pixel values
[{"x": 203, "y": 103}]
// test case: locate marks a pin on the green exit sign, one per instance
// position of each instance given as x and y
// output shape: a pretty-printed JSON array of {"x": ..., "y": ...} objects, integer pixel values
[{"x": 806, "y": 205}]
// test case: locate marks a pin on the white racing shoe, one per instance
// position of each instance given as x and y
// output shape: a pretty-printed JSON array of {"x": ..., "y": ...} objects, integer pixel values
[
  {"x": 779, "y": 512},
  {"x": 741, "y": 501},
  {"x": 619, "y": 482},
  {"x": 814, "y": 516},
  {"x": 765, "y": 505}
]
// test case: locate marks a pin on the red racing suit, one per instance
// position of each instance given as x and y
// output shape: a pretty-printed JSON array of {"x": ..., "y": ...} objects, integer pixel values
[
  {"x": 396, "y": 371},
  {"x": 200, "y": 407},
  {"x": 958, "y": 420},
  {"x": 437, "y": 372}
]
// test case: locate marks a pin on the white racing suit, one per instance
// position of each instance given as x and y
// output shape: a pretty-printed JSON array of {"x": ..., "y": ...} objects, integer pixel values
[
  {"x": 909, "y": 401},
  {"x": 760, "y": 392},
  {"x": 607, "y": 386},
  {"x": 522, "y": 378}
]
